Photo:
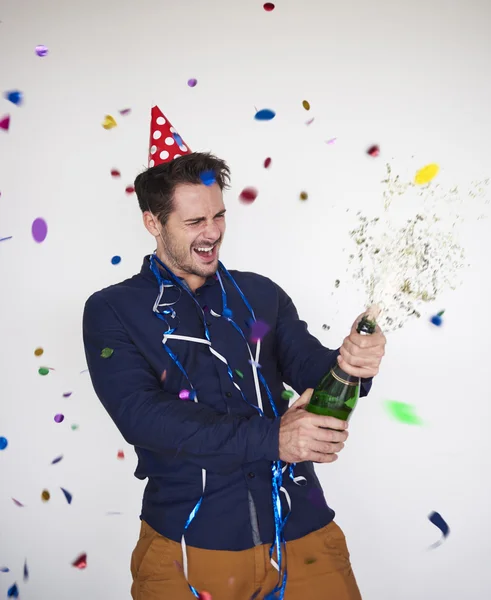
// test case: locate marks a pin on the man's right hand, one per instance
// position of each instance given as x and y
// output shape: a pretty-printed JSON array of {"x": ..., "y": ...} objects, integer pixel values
[{"x": 304, "y": 436}]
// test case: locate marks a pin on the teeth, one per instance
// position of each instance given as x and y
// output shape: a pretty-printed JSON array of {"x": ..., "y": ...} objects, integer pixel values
[{"x": 205, "y": 249}]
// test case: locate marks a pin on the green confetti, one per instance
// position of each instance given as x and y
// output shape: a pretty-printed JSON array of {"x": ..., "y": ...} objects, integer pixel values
[
  {"x": 107, "y": 352},
  {"x": 74, "y": 427},
  {"x": 43, "y": 371},
  {"x": 405, "y": 413},
  {"x": 287, "y": 394},
  {"x": 310, "y": 561},
  {"x": 239, "y": 373}
]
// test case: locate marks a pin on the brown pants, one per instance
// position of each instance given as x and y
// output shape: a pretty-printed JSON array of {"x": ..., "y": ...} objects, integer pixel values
[{"x": 318, "y": 569}]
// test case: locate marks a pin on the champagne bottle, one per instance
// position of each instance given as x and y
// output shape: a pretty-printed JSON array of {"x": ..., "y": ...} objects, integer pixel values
[{"x": 337, "y": 393}]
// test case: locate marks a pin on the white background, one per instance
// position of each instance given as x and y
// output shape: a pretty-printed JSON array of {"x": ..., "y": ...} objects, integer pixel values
[{"x": 410, "y": 76}]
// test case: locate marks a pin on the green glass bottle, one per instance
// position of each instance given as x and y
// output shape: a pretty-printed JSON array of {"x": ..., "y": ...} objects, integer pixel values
[{"x": 337, "y": 393}]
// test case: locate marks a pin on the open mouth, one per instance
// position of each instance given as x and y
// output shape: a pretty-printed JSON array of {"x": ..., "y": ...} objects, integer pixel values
[{"x": 206, "y": 254}]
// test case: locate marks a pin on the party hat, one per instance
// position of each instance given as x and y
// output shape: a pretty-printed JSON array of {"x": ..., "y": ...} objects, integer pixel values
[{"x": 165, "y": 143}]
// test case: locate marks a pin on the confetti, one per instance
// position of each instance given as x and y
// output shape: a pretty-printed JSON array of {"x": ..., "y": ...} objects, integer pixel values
[
  {"x": 4, "y": 570},
  {"x": 3, "y": 443},
  {"x": 120, "y": 454},
  {"x": 267, "y": 163},
  {"x": 17, "y": 503},
  {"x": 56, "y": 460},
  {"x": 287, "y": 394},
  {"x": 331, "y": 141},
  {"x": 405, "y": 413},
  {"x": 59, "y": 418},
  {"x": 125, "y": 111},
  {"x": 129, "y": 189},
  {"x": 306, "y": 105},
  {"x": 164, "y": 375},
  {"x": 192, "y": 394},
  {"x": 67, "y": 394},
  {"x": 437, "y": 319},
  {"x": 80, "y": 562},
  {"x": 310, "y": 561},
  {"x": 41, "y": 50},
  {"x": 253, "y": 363},
  {"x": 204, "y": 596},
  {"x": 26, "y": 571},
  {"x": 248, "y": 195},
  {"x": 13, "y": 592},
  {"x": 259, "y": 329},
  {"x": 107, "y": 352},
  {"x": 310, "y": 121},
  {"x": 38, "y": 352},
  {"x": 115, "y": 173},
  {"x": 4, "y": 239},
  {"x": 109, "y": 122},
  {"x": 39, "y": 230},
  {"x": 426, "y": 174},
  {"x": 184, "y": 394},
  {"x": 74, "y": 427},
  {"x": 227, "y": 313},
  {"x": 265, "y": 114},
  {"x": 373, "y": 151},
  {"x": 268, "y": 6},
  {"x": 336, "y": 283},
  {"x": 67, "y": 494},
  {"x": 43, "y": 370},
  {"x": 115, "y": 260},
  {"x": 192, "y": 82},
  {"x": 45, "y": 496},
  {"x": 442, "y": 525},
  {"x": 326, "y": 326},
  {"x": 303, "y": 196},
  {"x": 5, "y": 122},
  {"x": 207, "y": 178},
  {"x": 239, "y": 374},
  {"x": 178, "y": 139},
  {"x": 15, "y": 96}
]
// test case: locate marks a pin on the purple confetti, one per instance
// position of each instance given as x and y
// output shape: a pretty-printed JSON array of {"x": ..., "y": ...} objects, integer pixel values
[
  {"x": 41, "y": 50},
  {"x": 192, "y": 82},
  {"x": 57, "y": 460},
  {"x": 68, "y": 496},
  {"x": 258, "y": 331},
  {"x": 26, "y": 571},
  {"x": 67, "y": 394},
  {"x": 59, "y": 418},
  {"x": 39, "y": 230},
  {"x": 18, "y": 503}
]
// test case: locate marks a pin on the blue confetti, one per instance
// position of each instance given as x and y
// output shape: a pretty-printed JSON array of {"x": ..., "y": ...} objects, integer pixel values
[
  {"x": 5, "y": 238},
  {"x": 178, "y": 139},
  {"x": 3, "y": 443},
  {"x": 208, "y": 177},
  {"x": 115, "y": 260},
  {"x": 439, "y": 521},
  {"x": 265, "y": 115},
  {"x": 13, "y": 592},
  {"x": 68, "y": 496},
  {"x": 57, "y": 460},
  {"x": 15, "y": 96},
  {"x": 26, "y": 571},
  {"x": 437, "y": 319},
  {"x": 4, "y": 570}
]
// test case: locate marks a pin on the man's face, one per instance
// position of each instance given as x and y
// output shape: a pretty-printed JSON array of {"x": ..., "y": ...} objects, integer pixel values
[{"x": 194, "y": 231}]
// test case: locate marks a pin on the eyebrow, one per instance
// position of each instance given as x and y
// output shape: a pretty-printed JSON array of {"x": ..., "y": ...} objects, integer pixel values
[{"x": 197, "y": 219}]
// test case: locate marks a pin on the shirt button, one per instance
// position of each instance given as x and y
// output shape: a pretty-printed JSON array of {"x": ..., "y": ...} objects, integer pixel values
[
  {"x": 251, "y": 475},
  {"x": 228, "y": 394}
]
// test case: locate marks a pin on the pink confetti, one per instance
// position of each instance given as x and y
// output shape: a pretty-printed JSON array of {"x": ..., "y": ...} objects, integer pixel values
[
  {"x": 184, "y": 394},
  {"x": 204, "y": 596},
  {"x": 5, "y": 122},
  {"x": 331, "y": 141},
  {"x": 120, "y": 454},
  {"x": 310, "y": 121},
  {"x": 373, "y": 151},
  {"x": 18, "y": 503},
  {"x": 80, "y": 562}
]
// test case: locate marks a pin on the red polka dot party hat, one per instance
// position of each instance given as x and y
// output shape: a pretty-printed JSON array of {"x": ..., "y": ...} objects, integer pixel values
[{"x": 165, "y": 143}]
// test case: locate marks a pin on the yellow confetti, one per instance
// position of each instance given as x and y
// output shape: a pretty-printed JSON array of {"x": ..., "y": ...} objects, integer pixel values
[
  {"x": 109, "y": 122},
  {"x": 45, "y": 496},
  {"x": 306, "y": 105},
  {"x": 38, "y": 352},
  {"x": 426, "y": 174},
  {"x": 303, "y": 195}
]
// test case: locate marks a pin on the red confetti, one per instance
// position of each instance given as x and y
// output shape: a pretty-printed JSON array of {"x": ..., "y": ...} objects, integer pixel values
[
  {"x": 268, "y": 7},
  {"x": 120, "y": 454},
  {"x": 267, "y": 163},
  {"x": 373, "y": 151},
  {"x": 115, "y": 173},
  {"x": 248, "y": 195},
  {"x": 130, "y": 189},
  {"x": 80, "y": 562}
]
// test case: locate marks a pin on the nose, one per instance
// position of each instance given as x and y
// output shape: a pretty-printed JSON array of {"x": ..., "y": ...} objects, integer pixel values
[{"x": 212, "y": 232}]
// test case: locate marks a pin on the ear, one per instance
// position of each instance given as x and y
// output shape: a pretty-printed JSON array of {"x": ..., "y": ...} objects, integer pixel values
[{"x": 151, "y": 223}]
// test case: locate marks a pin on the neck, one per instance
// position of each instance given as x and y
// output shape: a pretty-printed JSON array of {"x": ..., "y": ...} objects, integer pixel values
[{"x": 193, "y": 281}]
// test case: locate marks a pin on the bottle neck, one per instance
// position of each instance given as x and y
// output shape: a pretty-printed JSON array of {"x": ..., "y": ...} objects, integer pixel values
[
  {"x": 344, "y": 377},
  {"x": 366, "y": 326}
]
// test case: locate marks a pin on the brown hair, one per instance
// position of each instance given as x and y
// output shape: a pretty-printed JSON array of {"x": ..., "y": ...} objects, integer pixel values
[{"x": 155, "y": 187}]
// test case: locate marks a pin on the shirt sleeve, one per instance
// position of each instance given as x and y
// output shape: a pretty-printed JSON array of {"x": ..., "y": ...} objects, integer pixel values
[
  {"x": 155, "y": 420},
  {"x": 302, "y": 359}
]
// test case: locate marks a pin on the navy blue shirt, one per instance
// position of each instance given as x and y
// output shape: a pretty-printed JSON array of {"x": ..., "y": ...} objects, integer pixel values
[{"x": 139, "y": 385}]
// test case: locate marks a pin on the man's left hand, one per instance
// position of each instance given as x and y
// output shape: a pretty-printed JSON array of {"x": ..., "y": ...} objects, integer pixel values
[{"x": 361, "y": 355}]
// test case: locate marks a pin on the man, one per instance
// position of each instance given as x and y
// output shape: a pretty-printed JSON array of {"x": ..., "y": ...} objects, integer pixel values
[{"x": 192, "y": 385}]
